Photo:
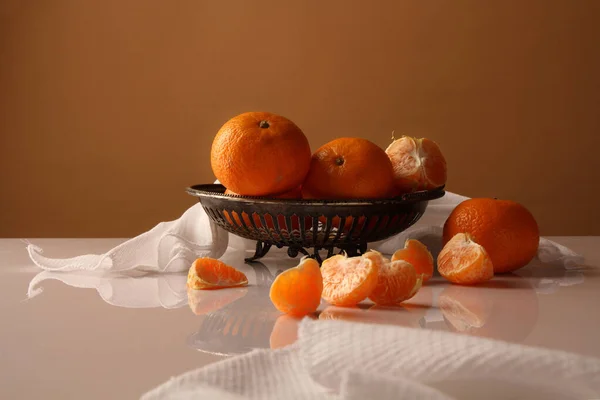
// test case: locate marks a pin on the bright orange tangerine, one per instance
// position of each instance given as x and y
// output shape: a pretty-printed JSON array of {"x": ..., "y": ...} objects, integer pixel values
[
  {"x": 259, "y": 154},
  {"x": 297, "y": 291},
  {"x": 349, "y": 168}
]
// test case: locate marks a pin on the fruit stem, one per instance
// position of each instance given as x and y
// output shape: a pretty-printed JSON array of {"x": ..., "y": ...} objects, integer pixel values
[
  {"x": 339, "y": 161},
  {"x": 263, "y": 124}
]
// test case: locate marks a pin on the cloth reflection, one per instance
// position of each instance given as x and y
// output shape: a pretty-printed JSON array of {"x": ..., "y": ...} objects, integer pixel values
[{"x": 137, "y": 289}]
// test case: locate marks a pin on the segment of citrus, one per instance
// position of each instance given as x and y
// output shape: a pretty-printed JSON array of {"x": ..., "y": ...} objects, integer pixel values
[
  {"x": 396, "y": 280},
  {"x": 506, "y": 229},
  {"x": 418, "y": 164},
  {"x": 297, "y": 291},
  {"x": 348, "y": 281},
  {"x": 208, "y": 273},
  {"x": 418, "y": 255},
  {"x": 465, "y": 262}
]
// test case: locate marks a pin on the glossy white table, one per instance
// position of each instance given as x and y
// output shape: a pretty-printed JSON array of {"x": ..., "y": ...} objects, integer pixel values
[{"x": 99, "y": 337}]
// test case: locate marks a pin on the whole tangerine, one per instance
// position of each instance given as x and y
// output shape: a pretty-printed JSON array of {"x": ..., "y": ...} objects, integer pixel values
[
  {"x": 505, "y": 229},
  {"x": 349, "y": 168},
  {"x": 259, "y": 154}
]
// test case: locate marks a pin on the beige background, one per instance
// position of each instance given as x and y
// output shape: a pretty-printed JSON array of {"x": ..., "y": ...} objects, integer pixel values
[{"x": 108, "y": 108}]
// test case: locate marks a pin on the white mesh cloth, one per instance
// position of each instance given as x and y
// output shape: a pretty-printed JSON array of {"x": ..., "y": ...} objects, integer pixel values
[
  {"x": 344, "y": 360},
  {"x": 173, "y": 246}
]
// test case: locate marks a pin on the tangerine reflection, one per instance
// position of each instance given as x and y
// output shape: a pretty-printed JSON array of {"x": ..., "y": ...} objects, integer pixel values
[{"x": 506, "y": 308}]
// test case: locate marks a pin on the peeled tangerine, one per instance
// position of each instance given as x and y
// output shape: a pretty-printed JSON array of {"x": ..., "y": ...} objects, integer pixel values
[
  {"x": 418, "y": 164},
  {"x": 208, "y": 273},
  {"x": 465, "y": 262},
  {"x": 348, "y": 281},
  {"x": 297, "y": 291},
  {"x": 418, "y": 255},
  {"x": 397, "y": 280}
]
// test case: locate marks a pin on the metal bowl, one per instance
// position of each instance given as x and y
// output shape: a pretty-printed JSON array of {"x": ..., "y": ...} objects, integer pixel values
[{"x": 347, "y": 225}]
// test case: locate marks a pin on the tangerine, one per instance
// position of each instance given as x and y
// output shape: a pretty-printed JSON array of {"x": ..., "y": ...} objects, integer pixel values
[
  {"x": 506, "y": 229},
  {"x": 464, "y": 261},
  {"x": 209, "y": 273},
  {"x": 348, "y": 281},
  {"x": 260, "y": 153},
  {"x": 418, "y": 164},
  {"x": 396, "y": 280},
  {"x": 348, "y": 168},
  {"x": 418, "y": 255},
  {"x": 297, "y": 291}
]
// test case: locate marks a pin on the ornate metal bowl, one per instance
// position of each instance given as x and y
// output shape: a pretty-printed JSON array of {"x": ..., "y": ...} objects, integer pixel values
[{"x": 299, "y": 225}]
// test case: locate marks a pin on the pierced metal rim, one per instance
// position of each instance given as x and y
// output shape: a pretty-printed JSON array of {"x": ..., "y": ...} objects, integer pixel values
[{"x": 216, "y": 191}]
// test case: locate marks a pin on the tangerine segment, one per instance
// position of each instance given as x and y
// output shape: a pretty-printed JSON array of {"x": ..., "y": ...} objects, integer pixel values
[
  {"x": 418, "y": 255},
  {"x": 396, "y": 281},
  {"x": 348, "y": 281},
  {"x": 465, "y": 262},
  {"x": 418, "y": 163},
  {"x": 297, "y": 291},
  {"x": 208, "y": 273}
]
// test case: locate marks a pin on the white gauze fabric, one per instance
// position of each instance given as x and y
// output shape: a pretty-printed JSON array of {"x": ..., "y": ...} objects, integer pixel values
[
  {"x": 349, "y": 360},
  {"x": 168, "y": 247}
]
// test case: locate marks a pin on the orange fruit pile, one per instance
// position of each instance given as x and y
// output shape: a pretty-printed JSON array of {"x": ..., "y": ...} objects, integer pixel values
[
  {"x": 265, "y": 154},
  {"x": 344, "y": 281}
]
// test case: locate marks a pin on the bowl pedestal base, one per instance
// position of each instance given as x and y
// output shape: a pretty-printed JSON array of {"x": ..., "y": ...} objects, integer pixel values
[{"x": 351, "y": 250}]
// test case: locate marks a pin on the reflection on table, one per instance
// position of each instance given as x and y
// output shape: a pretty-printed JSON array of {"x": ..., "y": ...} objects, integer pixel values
[{"x": 237, "y": 320}]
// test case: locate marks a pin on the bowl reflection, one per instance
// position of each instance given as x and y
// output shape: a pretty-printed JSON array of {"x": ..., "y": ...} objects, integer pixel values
[{"x": 234, "y": 320}]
